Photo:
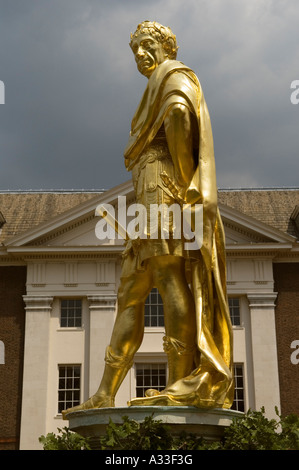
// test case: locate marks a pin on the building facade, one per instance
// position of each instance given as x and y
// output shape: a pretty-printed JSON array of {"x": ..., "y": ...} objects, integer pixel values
[{"x": 58, "y": 302}]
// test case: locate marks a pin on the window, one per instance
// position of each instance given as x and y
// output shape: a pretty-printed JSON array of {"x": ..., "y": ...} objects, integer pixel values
[
  {"x": 234, "y": 309},
  {"x": 68, "y": 386},
  {"x": 2, "y": 353},
  {"x": 239, "y": 403},
  {"x": 71, "y": 313},
  {"x": 153, "y": 314},
  {"x": 150, "y": 376}
]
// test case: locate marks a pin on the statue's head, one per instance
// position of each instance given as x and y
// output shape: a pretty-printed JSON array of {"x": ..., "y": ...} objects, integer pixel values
[{"x": 152, "y": 44}]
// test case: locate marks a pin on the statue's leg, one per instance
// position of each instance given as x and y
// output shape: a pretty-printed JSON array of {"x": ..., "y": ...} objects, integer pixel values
[
  {"x": 179, "y": 314},
  {"x": 126, "y": 339}
]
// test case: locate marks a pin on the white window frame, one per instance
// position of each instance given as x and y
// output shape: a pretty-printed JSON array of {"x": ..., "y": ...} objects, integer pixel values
[
  {"x": 72, "y": 402},
  {"x": 140, "y": 358},
  {"x": 154, "y": 327},
  {"x": 240, "y": 364},
  {"x": 63, "y": 299},
  {"x": 238, "y": 298}
]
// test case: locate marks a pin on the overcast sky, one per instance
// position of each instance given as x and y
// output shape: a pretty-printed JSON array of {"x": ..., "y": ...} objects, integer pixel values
[{"x": 71, "y": 87}]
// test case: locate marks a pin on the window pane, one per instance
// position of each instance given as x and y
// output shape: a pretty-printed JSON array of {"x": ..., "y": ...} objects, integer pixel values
[
  {"x": 155, "y": 381},
  {"x": 77, "y": 383},
  {"x": 147, "y": 381},
  {"x": 76, "y": 396}
]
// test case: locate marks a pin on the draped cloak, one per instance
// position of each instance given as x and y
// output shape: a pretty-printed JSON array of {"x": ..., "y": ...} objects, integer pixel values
[{"x": 211, "y": 382}]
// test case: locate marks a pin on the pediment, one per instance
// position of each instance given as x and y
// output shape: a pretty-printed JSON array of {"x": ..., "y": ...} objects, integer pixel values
[
  {"x": 76, "y": 228},
  {"x": 241, "y": 229},
  {"x": 80, "y": 235}
]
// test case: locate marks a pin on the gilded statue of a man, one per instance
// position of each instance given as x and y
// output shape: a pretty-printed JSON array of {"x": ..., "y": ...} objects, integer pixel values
[{"x": 170, "y": 154}]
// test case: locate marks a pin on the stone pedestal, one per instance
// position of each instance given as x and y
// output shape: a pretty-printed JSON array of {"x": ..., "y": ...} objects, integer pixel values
[{"x": 209, "y": 424}]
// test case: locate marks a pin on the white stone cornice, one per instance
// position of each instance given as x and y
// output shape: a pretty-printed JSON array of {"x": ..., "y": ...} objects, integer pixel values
[
  {"x": 102, "y": 302},
  {"x": 65, "y": 250},
  {"x": 38, "y": 302},
  {"x": 262, "y": 300}
]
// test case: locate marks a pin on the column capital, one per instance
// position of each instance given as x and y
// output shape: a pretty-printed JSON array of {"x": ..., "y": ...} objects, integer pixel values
[
  {"x": 102, "y": 302},
  {"x": 38, "y": 302},
  {"x": 262, "y": 299}
]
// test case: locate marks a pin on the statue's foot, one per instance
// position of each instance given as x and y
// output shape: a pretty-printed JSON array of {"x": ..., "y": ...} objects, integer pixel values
[
  {"x": 152, "y": 392},
  {"x": 154, "y": 400},
  {"x": 96, "y": 401}
]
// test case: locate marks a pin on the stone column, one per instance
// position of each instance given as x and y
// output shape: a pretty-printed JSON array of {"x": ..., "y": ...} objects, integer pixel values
[
  {"x": 264, "y": 351},
  {"x": 102, "y": 309},
  {"x": 35, "y": 376}
]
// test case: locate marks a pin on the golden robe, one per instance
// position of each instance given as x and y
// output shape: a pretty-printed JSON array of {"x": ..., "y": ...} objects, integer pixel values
[{"x": 211, "y": 383}]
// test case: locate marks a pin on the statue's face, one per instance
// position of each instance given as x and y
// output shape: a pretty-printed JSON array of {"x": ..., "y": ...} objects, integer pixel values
[{"x": 148, "y": 52}]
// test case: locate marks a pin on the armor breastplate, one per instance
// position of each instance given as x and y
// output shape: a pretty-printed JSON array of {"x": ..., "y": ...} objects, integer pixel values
[{"x": 154, "y": 160}]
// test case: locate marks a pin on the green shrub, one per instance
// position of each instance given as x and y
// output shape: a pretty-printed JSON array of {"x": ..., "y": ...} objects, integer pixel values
[
  {"x": 252, "y": 432},
  {"x": 64, "y": 440},
  {"x": 256, "y": 432},
  {"x": 131, "y": 435}
]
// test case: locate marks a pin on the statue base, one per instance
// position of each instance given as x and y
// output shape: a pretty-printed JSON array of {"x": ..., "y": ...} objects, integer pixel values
[{"x": 207, "y": 423}]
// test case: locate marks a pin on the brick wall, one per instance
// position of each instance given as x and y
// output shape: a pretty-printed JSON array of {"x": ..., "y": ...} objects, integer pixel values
[
  {"x": 286, "y": 276},
  {"x": 12, "y": 324}
]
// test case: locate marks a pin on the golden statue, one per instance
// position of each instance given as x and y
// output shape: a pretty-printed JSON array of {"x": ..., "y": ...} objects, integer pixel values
[{"x": 171, "y": 156}]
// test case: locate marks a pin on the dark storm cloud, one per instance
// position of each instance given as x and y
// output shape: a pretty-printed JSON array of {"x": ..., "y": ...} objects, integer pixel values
[{"x": 71, "y": 87}]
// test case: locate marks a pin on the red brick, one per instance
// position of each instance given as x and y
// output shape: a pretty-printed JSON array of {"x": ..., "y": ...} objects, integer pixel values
[{"x": 12, "y": 329}]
